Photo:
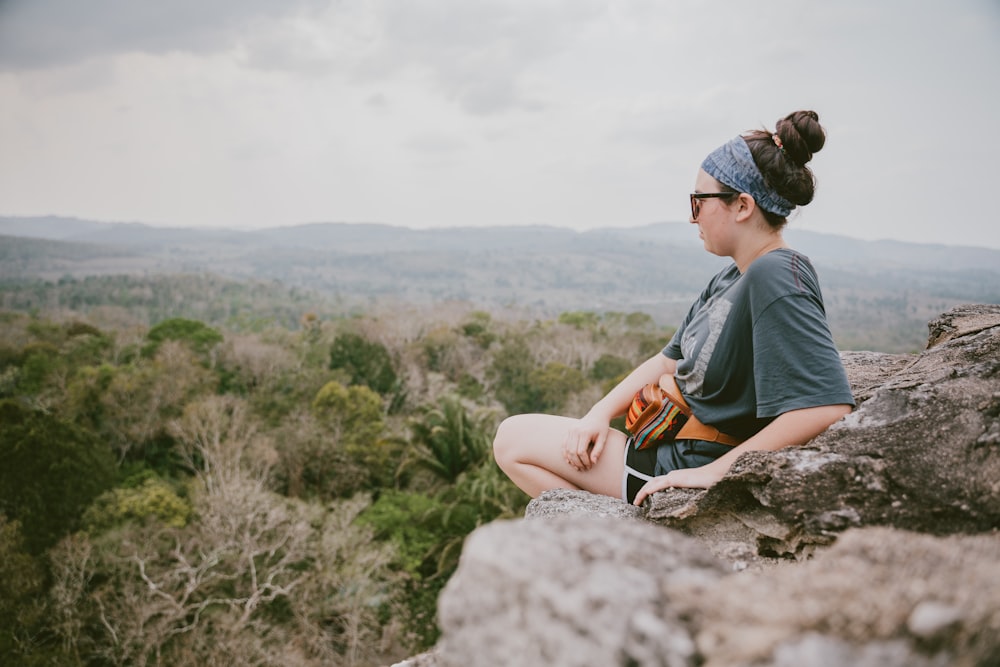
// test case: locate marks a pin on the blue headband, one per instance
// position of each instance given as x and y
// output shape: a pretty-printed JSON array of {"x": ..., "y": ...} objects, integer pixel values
[{"x": 732, "y": 164}]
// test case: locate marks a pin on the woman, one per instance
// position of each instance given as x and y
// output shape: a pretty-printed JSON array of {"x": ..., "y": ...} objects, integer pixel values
[{"x": 754, "y": 357}]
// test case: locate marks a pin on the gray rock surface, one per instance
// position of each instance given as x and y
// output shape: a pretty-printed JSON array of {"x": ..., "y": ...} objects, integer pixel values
[
  {"x": 563, "y": 502},
  {"x": 920, "y": 452},
  {"x": 572, "y": 590},
  {"x": 875, "y": 544}
]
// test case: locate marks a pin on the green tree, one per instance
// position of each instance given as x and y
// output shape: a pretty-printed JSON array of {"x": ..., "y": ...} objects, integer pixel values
[
  {"x": 552, "y": 385},
  {"x": 22, "y": 584},
  {"x": 200, "y": 337},
  {"x": 355, "y": 414},
  {"x": 510, "y": 371},
  {"x": 479, "y": 328},
  {"x": 487, "y": 489},
  {"x": 418, "y": 527},
  {"x": 364, "y": 362},
  {"x": 651, "y": 343},
  {"x": 447, "y": 440},
  {"x": 140, "y": 399},
  {"x": 148, "y": 496},
  {"x": 39, "y": 361},
  {"x": 51, "y": 471},
  {"x": 610, "y": 367},
  {"x": 86, "y": 344},
  {"x": 580, "y": 319},
  {"x": 354, "y": 419}
]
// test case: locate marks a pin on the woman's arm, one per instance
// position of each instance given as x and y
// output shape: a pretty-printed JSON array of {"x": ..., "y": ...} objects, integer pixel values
[
  {"x": 585, "y": 442},
  {"x": 618, "y": 399},
  {"x": 795, "y": 427}
]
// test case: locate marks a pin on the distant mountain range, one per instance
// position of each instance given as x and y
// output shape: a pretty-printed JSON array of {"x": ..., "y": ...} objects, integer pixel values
[
  {"x": 355, "y": 238},
  {"x": 873, "y": 289}
]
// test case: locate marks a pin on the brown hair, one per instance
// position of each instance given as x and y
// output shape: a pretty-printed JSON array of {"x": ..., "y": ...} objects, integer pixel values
[{"x": 784, "y": 168}]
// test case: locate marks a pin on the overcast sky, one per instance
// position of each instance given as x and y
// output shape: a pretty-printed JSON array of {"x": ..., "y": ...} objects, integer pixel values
[{"x": 429, "y": 113}]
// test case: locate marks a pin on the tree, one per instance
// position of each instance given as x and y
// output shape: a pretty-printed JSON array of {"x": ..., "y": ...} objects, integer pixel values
[
  {"x": 354, "y": 422},
  {"x": 487, "y": 489},
  {"x": 511, "y": 374},
  {"x": 200, "y": 337},
  {"x": 142, "y": 398},
  {"x": 610, "y": 367},
  {"x": 51, "y": 471},
  {"x": 580, "y": 319},
  {"x": 220, "y": 444},
  {"x": 553, "y": 384},
  {"x": 250, "y": 365},
  {"x": 364, "y": 362},
  {"x": 145, "y": 496},
  {"x": 39, "y": 361},
  {"x": 22, "y": 580},
  {"x": 354, "y": 414},
  {"x": 254, "y": 579},
  {"x": 447, "y": 440},
  {"x": 417, "y": 526},
  {"x": 479, "y": 328},
  {"x": 173, "y": 592}
]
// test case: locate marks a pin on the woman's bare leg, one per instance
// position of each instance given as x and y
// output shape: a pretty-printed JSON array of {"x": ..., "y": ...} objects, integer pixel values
[{"x": 529, "y": 448}]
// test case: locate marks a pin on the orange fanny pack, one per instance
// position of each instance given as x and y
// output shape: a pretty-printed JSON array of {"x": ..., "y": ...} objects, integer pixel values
[{"x": 658, "y": 414}]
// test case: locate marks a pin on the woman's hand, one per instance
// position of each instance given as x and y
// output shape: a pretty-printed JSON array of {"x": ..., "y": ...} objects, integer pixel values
[
  {"x": 689, "y": 478},
  {"x": 790, "y": 428},
  {"x": 585, "y": 442}
]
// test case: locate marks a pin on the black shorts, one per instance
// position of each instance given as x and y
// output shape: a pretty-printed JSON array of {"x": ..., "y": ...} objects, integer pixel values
[{"x": 642, "y": 465}]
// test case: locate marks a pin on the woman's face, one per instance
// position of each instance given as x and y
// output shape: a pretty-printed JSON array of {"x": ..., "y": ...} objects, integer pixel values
[{"x": 715, "y": 216}]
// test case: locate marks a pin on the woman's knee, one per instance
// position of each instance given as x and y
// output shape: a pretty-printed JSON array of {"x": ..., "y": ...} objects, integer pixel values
[
  {"x": 505, "y": 441},
  {"x": 529, "y": 437}
]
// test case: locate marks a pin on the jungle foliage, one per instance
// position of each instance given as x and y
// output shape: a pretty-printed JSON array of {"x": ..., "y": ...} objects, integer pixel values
[{"x": 186, "y": 491}]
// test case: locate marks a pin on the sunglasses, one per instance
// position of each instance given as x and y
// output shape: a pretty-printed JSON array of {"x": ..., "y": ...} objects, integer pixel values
[{"x": 696, "y": 198}]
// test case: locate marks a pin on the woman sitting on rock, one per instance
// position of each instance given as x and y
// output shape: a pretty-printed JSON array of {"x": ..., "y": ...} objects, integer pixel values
[{"x": 753, "y": 361}]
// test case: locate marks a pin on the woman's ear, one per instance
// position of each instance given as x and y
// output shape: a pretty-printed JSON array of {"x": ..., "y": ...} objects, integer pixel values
[{"x": 746, "y": 205}]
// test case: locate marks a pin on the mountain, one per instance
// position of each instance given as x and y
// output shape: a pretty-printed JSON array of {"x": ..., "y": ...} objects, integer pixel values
[{"x": 879, "y": 294}]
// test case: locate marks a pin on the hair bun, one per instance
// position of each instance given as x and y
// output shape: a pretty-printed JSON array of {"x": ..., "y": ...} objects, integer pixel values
[{"x": 801, "y": 135}]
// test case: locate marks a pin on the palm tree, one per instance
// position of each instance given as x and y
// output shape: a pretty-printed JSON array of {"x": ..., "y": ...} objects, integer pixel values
[{"x": 448, "y": 440}]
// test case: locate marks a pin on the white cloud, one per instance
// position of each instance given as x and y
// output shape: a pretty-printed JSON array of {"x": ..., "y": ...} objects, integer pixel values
[
  {"x": 446, "y": 112},
  {"x": 48, "y": 33}
]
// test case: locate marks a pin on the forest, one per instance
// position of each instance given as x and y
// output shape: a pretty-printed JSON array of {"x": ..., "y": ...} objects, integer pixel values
[
  {"x": 216, "y": 482},
  {"x": 879, "y": 294}
]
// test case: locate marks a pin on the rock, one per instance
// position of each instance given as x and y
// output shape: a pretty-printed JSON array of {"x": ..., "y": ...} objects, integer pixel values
[
  {"x": 563, "y": 502},
  {"x": 865, "y": 592},
  {"x": 428, "y": 659},
  {"x": 962, "y": 321},
  {"x": 874, "y": 544},
  {"x": 866, "y": 371},
  {"x": 921, "y": 452},
  {"x": 821, "y": 651},
  {"x": 572, "y": 590},
  {"x": 598, "y": 591},
  {"x": 929, "y": 619}
]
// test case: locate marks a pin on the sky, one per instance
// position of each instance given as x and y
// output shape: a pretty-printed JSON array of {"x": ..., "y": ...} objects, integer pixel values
[{"x": 451, "y": 113}]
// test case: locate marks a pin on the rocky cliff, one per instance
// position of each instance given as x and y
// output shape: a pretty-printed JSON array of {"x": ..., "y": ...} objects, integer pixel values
[{"x": 874, "y": 544}]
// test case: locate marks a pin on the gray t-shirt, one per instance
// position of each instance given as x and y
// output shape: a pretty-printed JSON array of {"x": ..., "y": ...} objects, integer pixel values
[{"x": 756, "y": 345}]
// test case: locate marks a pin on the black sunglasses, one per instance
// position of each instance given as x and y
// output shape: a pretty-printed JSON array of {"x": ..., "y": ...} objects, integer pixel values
[{"x": 696, "y": 198}]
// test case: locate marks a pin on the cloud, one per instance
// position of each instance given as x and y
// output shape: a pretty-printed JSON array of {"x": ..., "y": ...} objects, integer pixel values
[
  {"x": 49, "y": 33},
  {"x": 476, "y": 53},
  {"x": 576, "y": 112}
]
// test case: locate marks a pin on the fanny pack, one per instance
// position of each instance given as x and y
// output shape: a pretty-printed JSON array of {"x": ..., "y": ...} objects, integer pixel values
[{"x": 657, "y": 415}]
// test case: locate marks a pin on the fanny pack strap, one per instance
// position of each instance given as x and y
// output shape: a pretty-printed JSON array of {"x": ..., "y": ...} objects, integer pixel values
[{"x": 694, "y": 429}]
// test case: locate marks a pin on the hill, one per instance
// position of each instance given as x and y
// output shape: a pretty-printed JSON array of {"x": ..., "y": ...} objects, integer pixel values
[{"x": 879, "y": 294}]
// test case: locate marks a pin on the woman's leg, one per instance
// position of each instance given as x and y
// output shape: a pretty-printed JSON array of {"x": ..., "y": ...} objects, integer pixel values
[{"x": 529, "y": 448}]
